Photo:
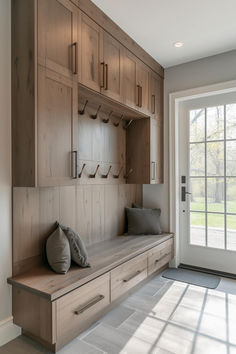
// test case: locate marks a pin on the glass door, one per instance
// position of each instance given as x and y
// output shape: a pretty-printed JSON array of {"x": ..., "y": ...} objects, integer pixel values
[{"x": 208, "y": 192}]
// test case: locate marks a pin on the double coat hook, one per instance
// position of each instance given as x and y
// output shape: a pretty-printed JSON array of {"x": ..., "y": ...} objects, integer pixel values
[
  {"x": 107, "y": 120},
  {"x": 94, "y": 174},
  {"x": 116, "y": 124},
  {"x": 82, "y": 111},
  {"x": 127, "y": 174},
  {"x": 80, "y": 174},
  {"x": 94, "y": 116},
  {"x": 105, "y": 176},
  {"x": 118, "y": 175},
  {"x": 128, "y": 124}
]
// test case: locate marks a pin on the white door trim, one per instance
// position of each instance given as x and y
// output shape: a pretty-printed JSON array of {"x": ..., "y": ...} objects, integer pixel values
[{"x": 174, "y": 194}]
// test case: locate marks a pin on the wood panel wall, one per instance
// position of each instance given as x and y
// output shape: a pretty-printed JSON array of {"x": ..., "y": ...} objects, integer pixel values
[{"x": 96, "y": 212}]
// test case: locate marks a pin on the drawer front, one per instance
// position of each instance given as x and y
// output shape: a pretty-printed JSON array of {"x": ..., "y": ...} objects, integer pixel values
[
  {"x": 159, "y": 256},
  {"x": 77, "y": 310},
  {"x": 128, "y": 275}
]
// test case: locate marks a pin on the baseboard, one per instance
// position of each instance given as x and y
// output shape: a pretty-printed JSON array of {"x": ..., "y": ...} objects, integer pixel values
[
  {"x": 8, "y": 331},
  {"x": 208, "y": 271}
]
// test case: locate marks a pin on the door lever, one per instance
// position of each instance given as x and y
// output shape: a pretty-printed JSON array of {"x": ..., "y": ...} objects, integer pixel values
[{"x": 183, "y": 194}]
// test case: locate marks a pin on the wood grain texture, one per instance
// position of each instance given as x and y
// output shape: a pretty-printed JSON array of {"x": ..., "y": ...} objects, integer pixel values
[
  {"x": 70, "y": 324},
  {"x": 160, "y": 255},
  {"x": 103, "y": 256},
  {"x": 24, "y": 92},
  {"x": 112, "y": 28},
  {"x": 95, "y": 212}
]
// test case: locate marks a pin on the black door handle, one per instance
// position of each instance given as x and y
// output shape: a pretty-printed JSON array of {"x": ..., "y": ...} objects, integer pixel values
[{"x": 183, "y": 194}]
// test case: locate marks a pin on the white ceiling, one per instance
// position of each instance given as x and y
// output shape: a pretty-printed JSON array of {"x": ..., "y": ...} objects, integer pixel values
[{"x": 206, "y": 27}]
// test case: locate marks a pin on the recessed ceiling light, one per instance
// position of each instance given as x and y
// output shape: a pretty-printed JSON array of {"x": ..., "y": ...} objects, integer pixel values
[{"x": 178, "y": 44}]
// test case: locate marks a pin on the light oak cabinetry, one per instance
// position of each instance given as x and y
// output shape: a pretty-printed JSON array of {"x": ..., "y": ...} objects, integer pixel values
[
  {"x": 56, "y": 128},
  {"x": 89, "y": 52},
  {"x": 57, "y": 36},
  {"x": 58, "y": 51}
]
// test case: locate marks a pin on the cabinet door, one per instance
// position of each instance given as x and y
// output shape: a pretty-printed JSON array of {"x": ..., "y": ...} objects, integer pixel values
[
  {"x": 112, "y": 67},
  {"x": 156, "y": 165},
  {"x": 57, "y": 112},
  {"x": 156, "y": 96},
  {"x": 143, "y": 87},
  {"x": 129, "y": 83},
  {"x": 89, "y": 53},
  {"x": 57, "y": 36}
]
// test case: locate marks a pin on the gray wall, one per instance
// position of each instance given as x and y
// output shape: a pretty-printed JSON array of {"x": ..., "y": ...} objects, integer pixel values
[{"x": 207, "y": 71}]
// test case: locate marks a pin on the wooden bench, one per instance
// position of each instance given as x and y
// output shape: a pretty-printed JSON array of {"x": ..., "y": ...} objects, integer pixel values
[{"x": 53, "y": 309}]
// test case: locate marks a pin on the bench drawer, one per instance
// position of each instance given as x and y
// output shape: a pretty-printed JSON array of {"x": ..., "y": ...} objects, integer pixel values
[
  {"x": 77, "y": 310},
  {"x": 128, "y": 275},
  {"x": 159, "y": 256}
]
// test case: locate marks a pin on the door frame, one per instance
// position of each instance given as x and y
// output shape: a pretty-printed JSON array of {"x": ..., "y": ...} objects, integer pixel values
[{"x": 175, "y": 99}]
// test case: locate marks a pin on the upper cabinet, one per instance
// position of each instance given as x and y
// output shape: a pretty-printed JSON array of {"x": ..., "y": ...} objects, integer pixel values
[
  {"x": 111, "y": 62},
  {"x": 156, "y": 96},
  {"x": 143, "y": 73},
  {"x": 58, "y": 36},
  {"x": 129, "y": 80},
  {"x": 90, "y": 52}
]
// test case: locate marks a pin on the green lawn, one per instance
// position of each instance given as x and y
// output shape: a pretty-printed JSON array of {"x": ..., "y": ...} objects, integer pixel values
[{"x": 214, "y": 220}]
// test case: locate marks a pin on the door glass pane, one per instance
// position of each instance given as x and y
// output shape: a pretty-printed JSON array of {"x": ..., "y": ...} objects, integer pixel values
[
  {"x": 197, "y": 159},
  {"x": 215, "y": 159},
  {"x": 231, "y": 158},
  {"x": 197, "y": 229},
  {"x": 215, "y": 230},
  {"x": 231, "y": 121},
  {"x": 197, "y": 198},
  {"x": 197, "y": 125},
  {"x": 231, "y": 195},
  {"x": 215, "y": 194},
  {"x": 215, "y": 123},
  {"x": 231, "y": 232}
]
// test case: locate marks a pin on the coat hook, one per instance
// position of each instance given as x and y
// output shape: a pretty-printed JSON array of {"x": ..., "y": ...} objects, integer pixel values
[
  {"x": 105, "y": 176},
  {"x": 127, "y": 175},
  {"x": 118, "y": 175},
  {"x": 82, "y": 111},
  {"x": 128, "y": 124},
  {"x": 80, "y": 174},
  {"x": 107, "y": 120},
  {"x": 118, "y": 123},
  {"x": 94, "y": 175},
  {"x": 94, "y": 116}
]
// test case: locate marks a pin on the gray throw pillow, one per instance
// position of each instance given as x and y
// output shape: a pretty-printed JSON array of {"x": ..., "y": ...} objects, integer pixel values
[
  {"x": 58, "y": 251},
  {"x": 143, "y": 221},
  {"x": 78, "y": 251}
]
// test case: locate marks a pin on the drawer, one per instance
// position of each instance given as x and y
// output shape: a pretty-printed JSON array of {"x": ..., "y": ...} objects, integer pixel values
[
  {"x": 77, "y": 310},
  {"x": 159, "y": 256},
  {"x": 128, "y": 275}
]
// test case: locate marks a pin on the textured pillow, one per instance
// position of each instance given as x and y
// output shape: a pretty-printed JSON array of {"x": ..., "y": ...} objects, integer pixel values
[
  {"x": 78, "y": 251},
  {"x": 58, "y": 251},
  {"x": 143, "y": 221}
]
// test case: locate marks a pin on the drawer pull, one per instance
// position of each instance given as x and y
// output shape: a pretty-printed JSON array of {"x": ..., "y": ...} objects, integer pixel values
[
  {"x": 132, "y": 276},
  {"x": 160, "y": 259},
  {"x": 91, "y": 303}
]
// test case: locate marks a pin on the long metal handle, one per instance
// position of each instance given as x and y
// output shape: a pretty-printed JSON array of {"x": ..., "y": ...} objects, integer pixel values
[
  {"x": 132, "y": 276},
  {"x": 75, "y": 58},
  {"x": 74, "y": 164},
  {"x": 106, "y": 69},
  {"x": 103, "y": 75},
  {"x": 154, "y": 104},
  {"x": 89, "y": 304},
  {"x": 153, "y": 170},
  {"x": 141, "y": 96},
  {"x": 160, "y": 259},
  {"x": 137, "y": 95},
  {"x": 183, "y": 194}
]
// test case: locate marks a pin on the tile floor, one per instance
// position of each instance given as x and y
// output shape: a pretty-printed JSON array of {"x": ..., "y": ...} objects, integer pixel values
[{"x": 162, "y": 317}]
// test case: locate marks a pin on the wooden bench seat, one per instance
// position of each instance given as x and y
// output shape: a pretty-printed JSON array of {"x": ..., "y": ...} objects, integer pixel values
[{"x": 103, "y": 256}]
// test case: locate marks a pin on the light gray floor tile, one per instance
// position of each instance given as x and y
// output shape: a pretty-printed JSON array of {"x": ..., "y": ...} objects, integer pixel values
[
  {"x": 205, "y": 345},
  {"x": 23, "y": 345},
  {"x": 114, "y": 341},
  {"x": 116, "y": 317},
  {"x": 78, "y": 346},
  {"x": 186, "y": 317},
  {"x": 227, "y": 286}
]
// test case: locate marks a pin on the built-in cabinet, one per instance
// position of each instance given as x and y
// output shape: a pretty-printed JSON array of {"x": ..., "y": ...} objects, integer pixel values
[{"x": 67, "y": 52}]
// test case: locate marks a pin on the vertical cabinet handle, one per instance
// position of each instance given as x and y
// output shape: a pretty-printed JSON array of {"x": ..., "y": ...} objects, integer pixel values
[
  {"x": 103, "y": 75},
  {"x": 153, "y": 170},
  {"x": 141, "y": 97},
  {"x": 74, "y": 164},
  {"x": 153, "y": 104},
  {"x": 137, "y": 96},
  {"x": 75, "y": 58},
  {"x": 106, "y": 69}
]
